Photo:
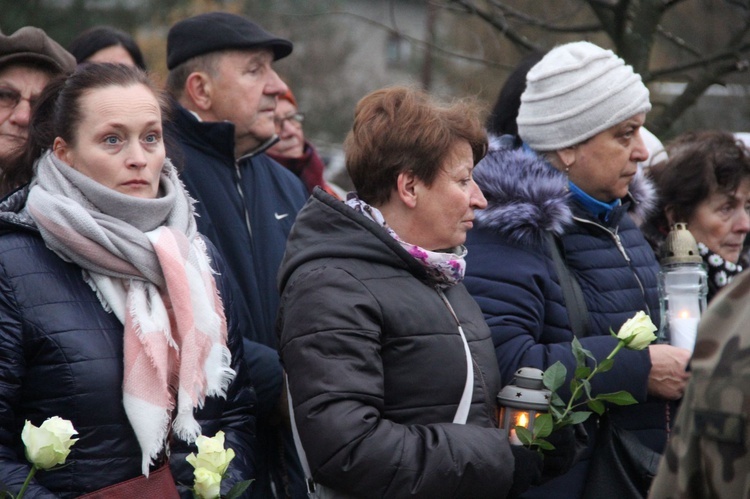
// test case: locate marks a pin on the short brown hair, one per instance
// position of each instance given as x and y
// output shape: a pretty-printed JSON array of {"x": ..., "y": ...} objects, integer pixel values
[
  {"x": 700, "y": 164},
  {"x": 402, "y": 129}
]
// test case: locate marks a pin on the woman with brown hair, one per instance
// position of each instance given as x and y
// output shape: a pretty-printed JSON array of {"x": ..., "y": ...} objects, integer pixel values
[
  {"x": 391, "y": 370},
  {"x": 114, "y": 312},
  {"x": 706, "y": 184}
]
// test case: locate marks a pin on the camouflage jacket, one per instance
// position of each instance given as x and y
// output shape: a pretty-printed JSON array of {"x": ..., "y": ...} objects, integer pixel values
[{"x": 707, "y": 455}]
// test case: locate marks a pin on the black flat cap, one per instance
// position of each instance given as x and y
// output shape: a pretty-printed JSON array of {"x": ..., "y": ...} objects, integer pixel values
[
  {"x": 216, "y": 31},
  {"x": 30, "y": 44}
]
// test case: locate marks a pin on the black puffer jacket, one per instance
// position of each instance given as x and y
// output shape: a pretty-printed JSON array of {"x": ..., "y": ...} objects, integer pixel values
[
  {"x": 377, "y": 366},
  {"x": 61, "y": 355}
]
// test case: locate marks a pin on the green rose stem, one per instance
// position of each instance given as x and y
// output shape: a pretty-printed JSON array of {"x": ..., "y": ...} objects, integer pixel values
[
  {"x": 576, "y": 393},
  {"x": 27, "y": 481}
]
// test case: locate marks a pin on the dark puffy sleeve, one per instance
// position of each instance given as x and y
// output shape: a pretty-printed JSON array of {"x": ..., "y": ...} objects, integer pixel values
[
  {"x": 330, "y": 337},
  {"x": 519, "y": 294},
  {"x": 13, "y": 472}
]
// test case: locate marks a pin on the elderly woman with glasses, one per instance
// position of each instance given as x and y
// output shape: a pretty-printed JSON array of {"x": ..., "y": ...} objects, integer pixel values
[
  {"x": 28, "y": 60},
  {"x": 292, "y": 150}
]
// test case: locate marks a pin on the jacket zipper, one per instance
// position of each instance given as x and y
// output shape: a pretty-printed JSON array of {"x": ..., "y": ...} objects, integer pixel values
[
  {"x": 618, "y": 242},
  {"x": 238, "y": 177},
  {"x": 238, "y": 185}
]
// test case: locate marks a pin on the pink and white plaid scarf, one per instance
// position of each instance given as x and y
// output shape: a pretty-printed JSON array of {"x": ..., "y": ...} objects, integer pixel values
[{"x": 148, "y": 265}]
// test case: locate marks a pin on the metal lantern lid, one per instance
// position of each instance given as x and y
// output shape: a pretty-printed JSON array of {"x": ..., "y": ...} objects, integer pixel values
[
  {"x": 528, "y": 392},
  {"x": 680, "y": 247}
]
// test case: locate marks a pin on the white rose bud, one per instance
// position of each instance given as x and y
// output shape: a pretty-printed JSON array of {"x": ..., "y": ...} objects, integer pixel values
[
  {"x": 49, "y": 444},
  {"x": 637, "y": 332},
  {"x": 211, "y": 454},
  {"x": 207, "y": 484}
]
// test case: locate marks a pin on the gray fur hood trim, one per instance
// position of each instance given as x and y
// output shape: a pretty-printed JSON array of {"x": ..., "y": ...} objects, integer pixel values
[{"x": 527, "y": 197}]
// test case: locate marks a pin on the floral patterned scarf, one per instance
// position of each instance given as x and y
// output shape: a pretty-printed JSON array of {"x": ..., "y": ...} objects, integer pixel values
[
  {"x": 720, "y": 271},
  {"x": 445, "y": 269}
]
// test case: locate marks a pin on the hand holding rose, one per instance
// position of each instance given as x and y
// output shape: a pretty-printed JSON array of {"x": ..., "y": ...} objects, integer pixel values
[
  {"x": 210, "y": 465},
  {"x": 46, "y": 446}
]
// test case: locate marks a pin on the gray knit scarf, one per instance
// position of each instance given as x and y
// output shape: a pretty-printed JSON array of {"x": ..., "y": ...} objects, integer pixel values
[
  {"x": 147, "y": 264},
  {"x": 112, "y": 225}
]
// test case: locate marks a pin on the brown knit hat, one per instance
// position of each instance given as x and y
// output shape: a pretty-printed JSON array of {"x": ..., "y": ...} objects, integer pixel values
[{"x": 30, "y": 44}]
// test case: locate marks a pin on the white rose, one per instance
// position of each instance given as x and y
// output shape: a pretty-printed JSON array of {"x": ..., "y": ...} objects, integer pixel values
[
  {"x": 637, "y": 332},
  {"x": 211, "y": 454},
  {"x": 207, "y": 484},
  {"x": 49, "y": 444}
]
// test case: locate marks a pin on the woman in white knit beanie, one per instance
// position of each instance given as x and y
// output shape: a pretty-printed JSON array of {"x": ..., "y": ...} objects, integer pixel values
[
  {"x": 574, "y": 94},
  {"x": 575, "y": 185}
]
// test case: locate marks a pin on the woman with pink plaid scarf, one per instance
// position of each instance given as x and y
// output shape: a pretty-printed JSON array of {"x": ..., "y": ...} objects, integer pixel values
[{"x": 114, "y": 311}]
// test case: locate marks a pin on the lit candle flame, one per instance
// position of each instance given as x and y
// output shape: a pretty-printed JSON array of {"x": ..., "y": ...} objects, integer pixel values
[
  {"x": 684, "y": 314},
  {"x": 522, "y": 420}
]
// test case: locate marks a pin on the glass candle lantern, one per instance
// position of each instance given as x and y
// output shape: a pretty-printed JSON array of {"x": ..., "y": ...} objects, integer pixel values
[
  {"x": 522, "y": 401},
  {"x": 683, "y": 287}
]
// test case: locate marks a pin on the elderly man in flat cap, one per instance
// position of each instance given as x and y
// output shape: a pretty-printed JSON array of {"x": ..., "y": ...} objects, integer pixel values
[
  {"x": 221, "y": 75},
  {"x": 28, "y": 60}
]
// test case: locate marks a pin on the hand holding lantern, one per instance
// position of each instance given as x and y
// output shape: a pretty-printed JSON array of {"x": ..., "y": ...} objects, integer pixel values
[
  {"x": 521, "y": 403},
  {"x": 636, "y": 333}
]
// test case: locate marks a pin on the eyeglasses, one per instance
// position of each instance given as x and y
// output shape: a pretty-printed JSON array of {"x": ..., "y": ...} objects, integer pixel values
[
  {"x": 295, "y": 119},
  {"x": 9, "y": 98}
]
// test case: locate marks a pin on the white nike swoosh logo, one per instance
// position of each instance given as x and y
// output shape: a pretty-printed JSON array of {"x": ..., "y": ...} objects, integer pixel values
[{"x": 279, "y": 217}]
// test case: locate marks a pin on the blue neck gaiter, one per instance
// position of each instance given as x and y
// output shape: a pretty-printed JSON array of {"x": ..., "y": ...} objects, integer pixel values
[{"x": 598, "y": 208}]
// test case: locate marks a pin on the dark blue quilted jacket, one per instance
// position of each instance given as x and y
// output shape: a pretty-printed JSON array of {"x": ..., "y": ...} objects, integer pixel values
[
  {"x": 246, "y": 208},
  {"x": 61, "y": 355},
  {"x": 511, "y": 274}
]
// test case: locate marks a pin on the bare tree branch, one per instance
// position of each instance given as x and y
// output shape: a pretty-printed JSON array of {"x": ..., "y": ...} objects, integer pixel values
[
  {"x": 694, "y": 90},
  {"x": 711, "y": 75},
  {"x": 416, "y": 41},
  {"x": 676, "y": 40},
  {"x": 510, "y": 12},
  {"x": 499, "y": 24},
  {"x": 732, "y": 53}
]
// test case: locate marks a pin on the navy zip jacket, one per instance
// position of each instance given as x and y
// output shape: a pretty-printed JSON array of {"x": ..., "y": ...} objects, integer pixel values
[
  {"x": 246, "y": 208},
  {"x": 511, "y": 274}
]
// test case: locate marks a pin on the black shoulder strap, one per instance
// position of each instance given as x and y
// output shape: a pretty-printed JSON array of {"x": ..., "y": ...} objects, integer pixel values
[{"x": 578, "y": 313}]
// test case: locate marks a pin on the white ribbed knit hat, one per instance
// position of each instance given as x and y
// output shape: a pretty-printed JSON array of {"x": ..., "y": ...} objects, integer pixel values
[{"x": 576, "y": 91}]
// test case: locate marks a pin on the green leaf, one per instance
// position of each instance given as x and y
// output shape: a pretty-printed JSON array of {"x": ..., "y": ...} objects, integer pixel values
[
  {"x": 619, "y": 398},
  {"x": 556, "y": 401},
  {"x": 542, "y": 426},
  {"x": 606, "y": 365},
  {"x": 554, "y": 376},
  {"x": 524, "y": 435},
  {"x": 544, "y": 445},
  {"x": 578, "y": 352},
  {"x": 237, "y": 490},
  {"x": 589, "y": 354},
  {"x": 587, "y": 388},
  {"x": 596, "y": 405},
  {"x": 578, "y": 417},
  {"x": 582, "y": 372}
]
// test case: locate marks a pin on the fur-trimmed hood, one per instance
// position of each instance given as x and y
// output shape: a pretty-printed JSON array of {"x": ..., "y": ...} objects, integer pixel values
[{"x": 526, "y": 196}]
